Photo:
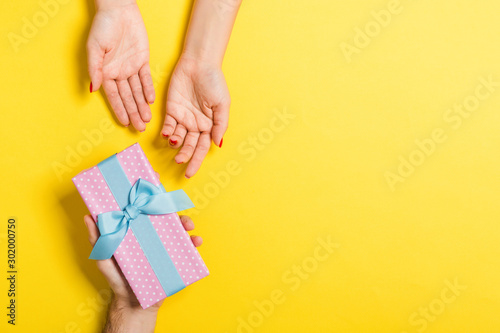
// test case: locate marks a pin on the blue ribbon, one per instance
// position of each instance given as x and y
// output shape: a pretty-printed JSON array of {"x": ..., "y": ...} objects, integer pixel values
[
  {"x": 144, "y": 198},
  {"x": 135, "y": 202}
]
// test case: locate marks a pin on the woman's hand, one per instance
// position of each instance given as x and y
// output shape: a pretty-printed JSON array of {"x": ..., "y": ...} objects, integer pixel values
[
  {"x": 198, "y": 99},
  {"x": 118, "y": 58},
  {"x": 197, "y": 110}
]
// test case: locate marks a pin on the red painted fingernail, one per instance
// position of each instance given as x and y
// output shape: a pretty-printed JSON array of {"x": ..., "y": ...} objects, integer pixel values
[
  {"x": 173, "y": 142},
  {"x": 90, "y": 86},
  {"x": 220, "y": 145},
  {"x": 165, "y": 135},
  {"x": 179, "y": 162}
]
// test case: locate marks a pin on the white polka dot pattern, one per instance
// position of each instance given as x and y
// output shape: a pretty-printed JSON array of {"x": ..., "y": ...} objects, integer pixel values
[
  {"x": 138, "y": 272},
  {"x": 179, "y": 246},
  {"x": 95, "y": 192},
  {"x": 129, "y": 255},
  {"x": 136, "y": 165}
]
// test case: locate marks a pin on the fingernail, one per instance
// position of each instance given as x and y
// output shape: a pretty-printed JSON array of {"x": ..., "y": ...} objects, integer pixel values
[
  {"x": 220, "y": 144},
  {"x": 90, "y": 86},
  {"x": 164, "y": 135},
  {"x": 187, "y": 177},
  {"x": 179, "y": 162},
  {"x": 173, "y": 142}
]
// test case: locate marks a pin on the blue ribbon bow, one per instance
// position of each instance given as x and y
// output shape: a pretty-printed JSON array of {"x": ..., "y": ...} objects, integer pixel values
[{"x": 144, "y": 198}]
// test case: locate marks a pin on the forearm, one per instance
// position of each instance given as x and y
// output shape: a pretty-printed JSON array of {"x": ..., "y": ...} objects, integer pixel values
[
  {"x": 107, "y": 4},
  {"x": 124, "y": 318},
  {"x": 210, "y": 28}
]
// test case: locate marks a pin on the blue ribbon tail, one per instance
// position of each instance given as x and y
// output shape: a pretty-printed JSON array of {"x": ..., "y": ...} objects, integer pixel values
[
  {"x": 107, "y": 244},
  {"x": 166, "y": 203}
]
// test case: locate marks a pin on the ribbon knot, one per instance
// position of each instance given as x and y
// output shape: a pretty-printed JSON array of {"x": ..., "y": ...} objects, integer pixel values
[
  {"x": 131, "y": 212},
  {"x": 144, "y": 198}
]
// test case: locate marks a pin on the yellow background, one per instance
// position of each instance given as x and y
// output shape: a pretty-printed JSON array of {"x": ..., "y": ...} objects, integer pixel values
[{"x": 322, "y": 176}]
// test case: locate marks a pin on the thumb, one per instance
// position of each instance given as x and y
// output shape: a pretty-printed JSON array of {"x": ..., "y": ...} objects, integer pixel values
[
  {"x": 92, "y": 228},
  {"x": 95, "y": 58},
  {"x": 221, "y": 120}
]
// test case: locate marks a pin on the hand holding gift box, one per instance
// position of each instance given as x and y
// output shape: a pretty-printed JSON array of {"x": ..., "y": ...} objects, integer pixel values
[
  {"x": 123, "y": 296},
  {"x": 139, "y": 225}
]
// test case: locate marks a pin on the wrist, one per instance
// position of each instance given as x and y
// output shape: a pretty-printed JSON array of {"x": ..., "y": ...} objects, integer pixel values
[
  {"x": 112, "y": 4},
  {"x": 202, "y": 56},
  {"x": 132, "y": 306},
  {"x": 126, "y": 315}
]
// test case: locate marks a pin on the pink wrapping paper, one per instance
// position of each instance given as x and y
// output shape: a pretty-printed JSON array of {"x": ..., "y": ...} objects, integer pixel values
[{"x": 129, "y": 255}]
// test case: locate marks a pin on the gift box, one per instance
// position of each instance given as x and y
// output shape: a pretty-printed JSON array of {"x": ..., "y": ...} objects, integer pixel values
[{"x": 139, "y": 225}]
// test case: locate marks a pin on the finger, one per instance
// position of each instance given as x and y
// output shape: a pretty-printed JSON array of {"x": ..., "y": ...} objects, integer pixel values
[
  {"x": 144, "y": 110},
  {"x": 168, "y": 126},
  {"x": 95, "y": 58},
  {"x": 188, "y": 148},
  {"x": 187, "y": 223},
  {"x": 221, "y": 119},
  {"x": 147, "y": 83},
  {"x": 130, "y": 106},
  {"x": 197, "y": 240},
  {"x": 115, "y": 101},
  {"x": 177, "y": 138},
  {"x": 92, "y": 228},
  {"x": 199, "y": 154},
  {"x": 114, "y": 275}
]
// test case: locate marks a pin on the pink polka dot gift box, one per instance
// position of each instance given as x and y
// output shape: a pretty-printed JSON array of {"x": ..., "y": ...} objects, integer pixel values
[{"x": 139, "y": 225}]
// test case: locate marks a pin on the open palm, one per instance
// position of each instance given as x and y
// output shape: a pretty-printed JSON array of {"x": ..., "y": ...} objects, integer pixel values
[
  {"x": 197, "y": 110},
  {"x": 118, "y": 58}
]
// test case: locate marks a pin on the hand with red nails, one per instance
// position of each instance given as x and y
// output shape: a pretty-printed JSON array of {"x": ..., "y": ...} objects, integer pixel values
[
  {"x": 198, "y": 98},
  {"x": 125, "y": 313},
  {"x": 197, "y": 110},
  {"x": 118, "y": 59}
]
